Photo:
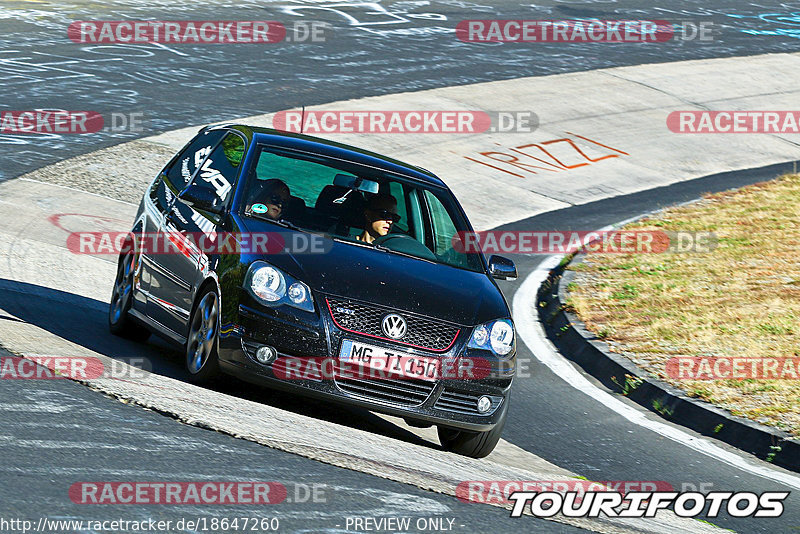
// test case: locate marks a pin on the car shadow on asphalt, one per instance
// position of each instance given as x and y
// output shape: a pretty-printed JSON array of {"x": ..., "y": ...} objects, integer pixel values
[{"x": 83, "y": 321}]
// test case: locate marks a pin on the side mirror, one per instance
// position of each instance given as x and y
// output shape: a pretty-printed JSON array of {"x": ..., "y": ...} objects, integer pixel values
[
  {"x": 202, "y": 198},
  {"x": 502, "y": 268}
]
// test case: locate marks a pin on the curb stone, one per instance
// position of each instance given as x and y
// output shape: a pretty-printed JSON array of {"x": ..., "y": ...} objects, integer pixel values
[{"x": 570, "y": 335}]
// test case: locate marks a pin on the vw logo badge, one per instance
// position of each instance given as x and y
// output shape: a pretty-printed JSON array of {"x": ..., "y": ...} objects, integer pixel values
[{"x": 394, "y": 326}]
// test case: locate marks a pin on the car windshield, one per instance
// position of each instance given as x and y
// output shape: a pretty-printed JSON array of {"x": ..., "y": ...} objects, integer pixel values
[{"x": 357, "y": 204}]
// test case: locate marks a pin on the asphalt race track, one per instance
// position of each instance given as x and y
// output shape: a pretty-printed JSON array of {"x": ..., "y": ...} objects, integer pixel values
[
  {"x": 110, "y": 441},
  {"x": 56, "y": 433},
  {"x": 375, "y": 48}
]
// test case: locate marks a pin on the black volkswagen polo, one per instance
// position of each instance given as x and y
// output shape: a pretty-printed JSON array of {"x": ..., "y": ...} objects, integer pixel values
[{"x": 326, "y": 270}]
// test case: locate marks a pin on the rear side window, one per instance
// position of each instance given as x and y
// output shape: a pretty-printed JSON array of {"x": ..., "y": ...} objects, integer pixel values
[
  {"x": 218, "y": 171},
  {"x": 183, "y": 166},
  {"x": 306, "y": 178},
  {"x": 233, "y": 148}
]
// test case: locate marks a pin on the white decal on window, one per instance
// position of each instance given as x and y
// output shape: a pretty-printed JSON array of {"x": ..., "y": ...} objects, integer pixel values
[
  {"x": 220, "y": 184},
  {"x": 185, "y": 172},
  {"x": 206, "y": 226},
  {"x": 200, "y": 154}
]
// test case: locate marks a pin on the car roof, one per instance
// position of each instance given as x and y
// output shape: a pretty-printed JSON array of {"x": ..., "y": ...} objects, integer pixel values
[{"x": 317, "y": 145}]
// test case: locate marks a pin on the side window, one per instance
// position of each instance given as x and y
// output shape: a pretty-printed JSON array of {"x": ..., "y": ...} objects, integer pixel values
[
  {"x": 305, "y": 179},
  {"x": 233, "y": 147},
  {"x": 219, "y": 170},
  {"x": 160, "y": 194},
  {"x": 396, "y": 190},
  {"x": 184, "y": 165},
  {"x": 443, "y": 227}
]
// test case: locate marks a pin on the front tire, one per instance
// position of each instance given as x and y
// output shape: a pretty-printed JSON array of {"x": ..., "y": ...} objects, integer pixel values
[
  {"x": 474, "y": 444},
  {"x": 202, "y": 343},
  {"x": 119, "y": 322}
]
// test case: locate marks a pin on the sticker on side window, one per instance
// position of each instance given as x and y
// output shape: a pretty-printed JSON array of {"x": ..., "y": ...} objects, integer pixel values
[{"x": 212, "y": 176}]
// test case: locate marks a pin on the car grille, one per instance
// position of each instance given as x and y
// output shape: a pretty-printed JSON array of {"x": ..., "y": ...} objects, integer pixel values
[
  {"x": 365, "y": 319},
  {"x": 406, "y": 392},
  {"x": 466, "y": 403}
]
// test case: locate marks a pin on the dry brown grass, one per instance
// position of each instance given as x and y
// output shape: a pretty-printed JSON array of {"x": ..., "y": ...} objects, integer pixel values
[{"x": 742, "y": 299}]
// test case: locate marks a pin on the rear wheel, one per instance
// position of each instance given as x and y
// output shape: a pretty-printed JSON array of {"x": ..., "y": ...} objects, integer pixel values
[
  {"x": 202, "y": 360},
  {"x": 119, "y": 322},
  {"x": 474, "y": 444}
]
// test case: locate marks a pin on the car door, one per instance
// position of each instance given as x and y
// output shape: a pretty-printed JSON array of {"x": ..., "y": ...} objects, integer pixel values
[
  {"x": 184, "y": 266},
  {"x": 153, "y": 212},
  {"x": 165, "y": 288}
]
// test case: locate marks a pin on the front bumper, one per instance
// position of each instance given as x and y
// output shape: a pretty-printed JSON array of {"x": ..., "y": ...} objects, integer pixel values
[{"x": 296, "y": 334}]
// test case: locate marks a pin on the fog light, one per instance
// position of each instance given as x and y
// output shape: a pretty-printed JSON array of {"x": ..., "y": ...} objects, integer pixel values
[
  {"x": 266, "y": 355},
  {"x": 484, "y": 404}
]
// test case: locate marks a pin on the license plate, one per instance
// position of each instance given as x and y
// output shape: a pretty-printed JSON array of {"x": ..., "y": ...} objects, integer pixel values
[{"x": 370, "y": 361}]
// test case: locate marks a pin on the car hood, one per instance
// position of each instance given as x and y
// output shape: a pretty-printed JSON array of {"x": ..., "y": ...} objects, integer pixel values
[{"x": 388, "y": 279}]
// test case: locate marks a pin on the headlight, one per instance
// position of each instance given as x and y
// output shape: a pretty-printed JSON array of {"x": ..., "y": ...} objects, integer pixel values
[
  {"x": 502, "y": 337},
  {"x": 496, "y": 336},
  {"x": 268, "y": 283},
  {"x": 271, "y": 287},
  {"x": 480, "y": 336},
  {"x": 298, "y": 292}
]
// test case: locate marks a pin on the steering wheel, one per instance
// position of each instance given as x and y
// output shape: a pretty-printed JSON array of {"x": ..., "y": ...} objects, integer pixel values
[{"x": 405, "y": 244}]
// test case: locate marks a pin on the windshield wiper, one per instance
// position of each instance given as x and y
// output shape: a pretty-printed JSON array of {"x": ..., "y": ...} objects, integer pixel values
[{"x": 382, "y": 248}]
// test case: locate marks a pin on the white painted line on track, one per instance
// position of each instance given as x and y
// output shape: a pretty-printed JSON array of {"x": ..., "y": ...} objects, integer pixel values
[{"x": 532, "y": 333}]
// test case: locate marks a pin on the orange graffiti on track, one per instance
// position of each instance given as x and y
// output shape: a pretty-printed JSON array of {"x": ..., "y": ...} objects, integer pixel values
[{"x": 553, "y": 155}]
